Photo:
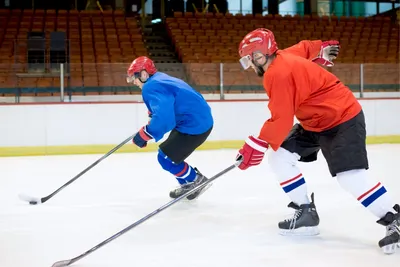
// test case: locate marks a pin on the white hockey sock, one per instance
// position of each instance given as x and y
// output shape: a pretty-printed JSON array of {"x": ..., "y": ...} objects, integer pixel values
[
  {"x": 284, "y": 165},
  {"x": 370, "y": 193}
]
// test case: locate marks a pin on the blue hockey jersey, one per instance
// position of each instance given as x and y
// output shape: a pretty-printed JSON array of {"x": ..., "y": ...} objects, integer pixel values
[{"x": 175, "y": 105}]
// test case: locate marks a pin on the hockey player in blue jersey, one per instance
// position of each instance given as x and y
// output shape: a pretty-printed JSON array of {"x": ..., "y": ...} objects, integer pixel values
[{"x": 173, "y": 106}]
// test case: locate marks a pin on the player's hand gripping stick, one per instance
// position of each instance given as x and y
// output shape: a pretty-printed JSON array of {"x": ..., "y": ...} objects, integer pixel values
[
  {"x": 142, "y": 137},
  {"x": 252, "y": 152}
]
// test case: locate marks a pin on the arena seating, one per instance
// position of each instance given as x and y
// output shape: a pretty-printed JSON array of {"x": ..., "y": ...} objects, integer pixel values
[
  {"x": 211, "y": 39},
  {"x": 215, "y": 39},
  {"x": 101, "y": 46}
]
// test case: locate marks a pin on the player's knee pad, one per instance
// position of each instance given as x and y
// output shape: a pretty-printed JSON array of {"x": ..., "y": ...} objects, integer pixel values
[
  {"x": 354, "y": 179},
  {"x": 282, "y": 159},
  {"x": 166, "y": 163}
]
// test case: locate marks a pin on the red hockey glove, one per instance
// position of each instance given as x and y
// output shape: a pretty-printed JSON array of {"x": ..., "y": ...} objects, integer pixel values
[
  {"x": 252, "y": 152},
  {"x": 142, "y": 137},
  {"x": 329, "y": 51}
]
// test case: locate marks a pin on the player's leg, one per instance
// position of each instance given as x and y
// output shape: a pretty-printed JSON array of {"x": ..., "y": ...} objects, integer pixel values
[
  {"x": 345, "y": 150},
  {"x": 300, "y": 145},
  {"x": 171, "y": 156}
]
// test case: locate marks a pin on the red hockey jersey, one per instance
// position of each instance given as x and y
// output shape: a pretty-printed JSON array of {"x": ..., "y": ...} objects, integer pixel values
[{"x": 296, "y": 86}]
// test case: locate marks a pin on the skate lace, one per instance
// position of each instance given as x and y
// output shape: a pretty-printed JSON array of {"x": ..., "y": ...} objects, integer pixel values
[
  {"x": 294, "y": 218},
  {"x": 393, "y": 228},
  {"x": 188, "y": 186},
  {"x": 184, "y": 187}
]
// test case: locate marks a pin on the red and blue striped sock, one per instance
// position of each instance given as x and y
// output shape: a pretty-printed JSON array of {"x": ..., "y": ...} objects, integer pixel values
[
  {"x": 296, "y": 188},
  {"x": 371, "y": 194},
  {"x": 185, "y": 173}
]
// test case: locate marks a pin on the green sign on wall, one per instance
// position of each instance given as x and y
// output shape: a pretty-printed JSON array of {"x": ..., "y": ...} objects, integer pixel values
[{"x": 337, "y": 8}]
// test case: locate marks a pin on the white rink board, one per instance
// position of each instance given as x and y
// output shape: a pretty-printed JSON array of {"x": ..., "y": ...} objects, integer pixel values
[{"x": 109, "y": 123}]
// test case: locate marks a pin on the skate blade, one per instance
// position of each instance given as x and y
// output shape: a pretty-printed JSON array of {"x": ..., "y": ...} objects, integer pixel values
[
  {"x": 390, "y": 249},
  {"x": 302, "y": 231},
  {"x": 200, "y": 193}
]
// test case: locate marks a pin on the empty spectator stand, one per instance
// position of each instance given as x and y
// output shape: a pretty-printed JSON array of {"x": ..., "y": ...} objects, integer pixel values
[
  {"x": 210, "y": 39},
  {"x": 101, "y": 46},
  {"x": 207, "y": 39}
]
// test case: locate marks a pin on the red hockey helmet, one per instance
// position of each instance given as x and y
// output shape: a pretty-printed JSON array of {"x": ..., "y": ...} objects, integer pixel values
[
  {"x": 260, "y": 40},
  {"x": 138, "y": 65}
]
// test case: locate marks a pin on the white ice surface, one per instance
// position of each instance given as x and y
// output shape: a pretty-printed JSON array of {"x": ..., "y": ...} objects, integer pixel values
[{"x": 233, "y": 224}]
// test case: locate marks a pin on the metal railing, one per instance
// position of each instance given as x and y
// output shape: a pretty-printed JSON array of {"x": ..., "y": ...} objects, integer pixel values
[{"x": 77, "y": 82}]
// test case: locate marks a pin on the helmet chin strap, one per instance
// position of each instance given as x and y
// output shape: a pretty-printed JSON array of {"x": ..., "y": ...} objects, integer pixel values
[
  {"x": 143, "y": 78},
  {"x": 260, "y": 71},
  {"x": 260, "y": 67}
]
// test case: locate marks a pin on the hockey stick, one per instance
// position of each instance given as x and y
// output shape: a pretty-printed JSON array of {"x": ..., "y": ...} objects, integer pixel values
[
  {"x": 36, "y": 200},
  {"x": 145, "y": 218}
]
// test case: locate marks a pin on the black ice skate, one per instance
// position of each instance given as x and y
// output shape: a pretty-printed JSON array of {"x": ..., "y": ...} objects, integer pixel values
[
  {"x": 391, "y": 241},
  {"x": 200, "y": 178},
  {"x": 304, "y": 222}
]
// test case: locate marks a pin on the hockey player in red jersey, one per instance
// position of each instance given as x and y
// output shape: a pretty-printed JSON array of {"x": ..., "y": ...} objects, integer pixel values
[{"x": 331, "y": 120}]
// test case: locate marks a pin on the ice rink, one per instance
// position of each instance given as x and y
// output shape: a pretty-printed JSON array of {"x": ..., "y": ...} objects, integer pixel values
[{"x": 233, "y": 224}]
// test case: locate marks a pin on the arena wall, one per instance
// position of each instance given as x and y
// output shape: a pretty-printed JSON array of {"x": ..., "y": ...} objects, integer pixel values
[{"x": 78, "y": 128}]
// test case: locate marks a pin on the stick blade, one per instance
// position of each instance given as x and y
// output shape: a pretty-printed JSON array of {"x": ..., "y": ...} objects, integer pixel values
[
  {"x": 31, "y": 200},
  {"x": 61, "y": 263}
]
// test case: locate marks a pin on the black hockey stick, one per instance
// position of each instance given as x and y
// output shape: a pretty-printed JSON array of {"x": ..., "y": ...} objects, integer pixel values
[
  {"x": 145, "y": 218},
  {"x": 36, "y": 200}
]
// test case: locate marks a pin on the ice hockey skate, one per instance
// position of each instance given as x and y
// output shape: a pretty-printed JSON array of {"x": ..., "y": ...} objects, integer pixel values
[
  {"x": 391, "y": 242},
  {"x": 200, "y": 178},
  {"x": 304, "y": 222}
]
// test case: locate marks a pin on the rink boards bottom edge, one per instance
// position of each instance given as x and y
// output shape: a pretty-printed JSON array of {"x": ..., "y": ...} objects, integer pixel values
[{"x": 130, "y": 148}]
